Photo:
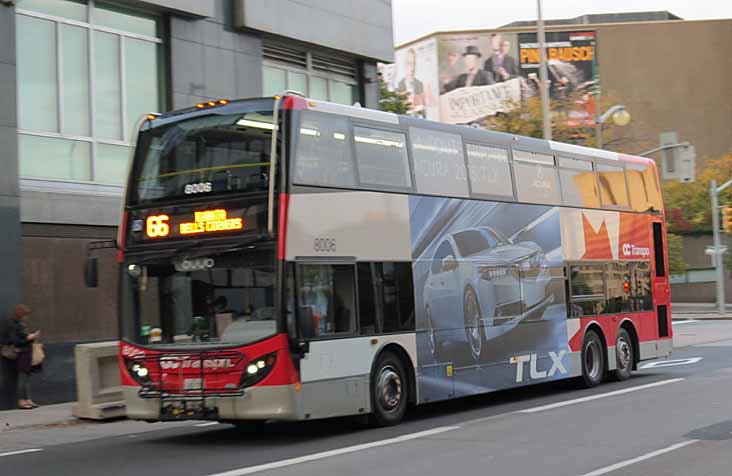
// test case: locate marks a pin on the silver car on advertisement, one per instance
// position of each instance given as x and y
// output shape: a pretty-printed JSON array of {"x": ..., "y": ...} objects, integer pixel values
[{"x": 483, "y": 282}]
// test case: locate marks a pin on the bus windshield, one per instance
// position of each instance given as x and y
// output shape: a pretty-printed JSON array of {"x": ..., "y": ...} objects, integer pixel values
[
  {"x": 205, "y": 155},
  {"x": 224, "y": 297}
]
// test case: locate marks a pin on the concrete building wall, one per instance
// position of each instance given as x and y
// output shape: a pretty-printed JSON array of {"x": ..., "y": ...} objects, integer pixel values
[
  {"x": 209, "y": 60},
  {"x": 672, "y": 76},
  {"x": 363, "y": 28}
]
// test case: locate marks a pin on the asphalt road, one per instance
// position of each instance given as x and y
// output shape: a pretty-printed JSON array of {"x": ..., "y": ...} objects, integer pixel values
[{"x": 666, "y": 420}]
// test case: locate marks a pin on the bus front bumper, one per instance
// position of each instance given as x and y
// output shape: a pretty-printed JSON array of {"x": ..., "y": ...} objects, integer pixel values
[{"x": 277, "y": 402}]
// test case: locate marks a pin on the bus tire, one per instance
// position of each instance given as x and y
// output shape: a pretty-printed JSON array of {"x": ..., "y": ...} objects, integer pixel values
[
  {"x": 624, "y": 357},
  {"x": 593, "y": 359},
  {"x": 389, "y": 390}
]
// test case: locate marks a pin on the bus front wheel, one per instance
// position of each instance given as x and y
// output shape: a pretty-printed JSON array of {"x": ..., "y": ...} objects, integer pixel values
[{"x": 389, "y": 387}]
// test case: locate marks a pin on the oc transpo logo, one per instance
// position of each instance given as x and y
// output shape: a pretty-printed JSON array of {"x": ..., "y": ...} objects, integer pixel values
[
  {"x": 534, "y": 372},
  {"x": 632, "y": 250}
]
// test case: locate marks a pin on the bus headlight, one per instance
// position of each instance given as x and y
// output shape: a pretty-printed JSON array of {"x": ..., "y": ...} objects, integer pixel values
[
  {"x": 139, "y": 372},
  {"x": 257, "y": 369}
]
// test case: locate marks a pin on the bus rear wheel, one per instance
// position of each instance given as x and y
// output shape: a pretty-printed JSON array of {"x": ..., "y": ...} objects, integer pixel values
[
  {"x": 593, "y": 359},
  {"x": 624, "y": 357},
  {"x": 389, "y": 390}
]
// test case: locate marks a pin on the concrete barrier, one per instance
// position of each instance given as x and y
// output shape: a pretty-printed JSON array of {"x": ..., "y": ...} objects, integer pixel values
[{"x": 98, "y": 385}]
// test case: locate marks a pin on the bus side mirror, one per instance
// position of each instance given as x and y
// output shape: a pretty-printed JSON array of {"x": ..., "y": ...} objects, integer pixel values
[{"x": 91, "y": 272}]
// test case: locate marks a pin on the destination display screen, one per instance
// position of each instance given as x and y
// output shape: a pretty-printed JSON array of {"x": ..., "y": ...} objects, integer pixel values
[{"x": 207, "y": 222}]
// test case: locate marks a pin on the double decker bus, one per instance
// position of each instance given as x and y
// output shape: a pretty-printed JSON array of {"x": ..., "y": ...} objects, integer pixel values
[{"x": 287, "y": 258}]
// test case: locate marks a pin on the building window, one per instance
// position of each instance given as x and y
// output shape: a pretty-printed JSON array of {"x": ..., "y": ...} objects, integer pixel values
[
  {"x": 78, "y": 102},
  {"x": 314, "y": 75}
]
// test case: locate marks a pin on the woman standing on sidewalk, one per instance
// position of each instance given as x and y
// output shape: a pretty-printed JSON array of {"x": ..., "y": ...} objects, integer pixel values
[{"x": 20, "y": 338}]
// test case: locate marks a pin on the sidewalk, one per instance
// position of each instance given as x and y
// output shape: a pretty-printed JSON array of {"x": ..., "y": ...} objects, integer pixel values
[
  {"x": 699, "y": 311},
  {"x": 47, "y": 415}
]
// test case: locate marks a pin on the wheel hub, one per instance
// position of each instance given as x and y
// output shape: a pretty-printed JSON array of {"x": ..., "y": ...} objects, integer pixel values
[
  {"x": 624, "y": 353},
  {"x": 389, "y": 385}
]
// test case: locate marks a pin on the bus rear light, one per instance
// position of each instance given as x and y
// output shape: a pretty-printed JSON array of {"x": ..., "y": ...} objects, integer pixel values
[{"x": 258, "y": 369}]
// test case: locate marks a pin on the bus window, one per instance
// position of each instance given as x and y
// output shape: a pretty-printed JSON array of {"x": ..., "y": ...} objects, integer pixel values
[
  {"x": 439, "y": 163},
  {"x": 326, "y": 299},
  {"x": 216, "y": 154},
  {"x": 323, "y": 151},
  {"x": 386, "y": 297},
  {"x": 613, "y": 191},
  {"x": 640, "y": 286},
  {"x": 587, "y": 289},
  {"x": 533, "y": 157},
  {"x": 643, "y": 186},
  {"x": 579, "y": 187},
  {"x": 382, "y": 158},
  {"x": 489, "y": 171},
  {"x": 536, "y": 184}
]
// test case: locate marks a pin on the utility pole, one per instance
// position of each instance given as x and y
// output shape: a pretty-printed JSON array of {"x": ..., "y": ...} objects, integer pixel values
[
  {"x": 543, "y": 75},
  {"x": 714, "y": 192}
]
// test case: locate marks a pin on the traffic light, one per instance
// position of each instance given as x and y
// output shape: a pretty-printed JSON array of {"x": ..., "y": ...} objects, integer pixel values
[{"x": 727, "y": 219}]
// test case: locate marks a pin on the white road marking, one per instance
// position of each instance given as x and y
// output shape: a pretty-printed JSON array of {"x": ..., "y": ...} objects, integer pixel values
[
  {"x": 20, "y": 452},
  {"x": 685, "y": 321},
  {"x": 670, "y": 363},
  {"x": 652, "y": 454},
  {"x": 340, "y": 451},
  {"x": 599, "y": 396},
  {"x": 211, "y": 423}
]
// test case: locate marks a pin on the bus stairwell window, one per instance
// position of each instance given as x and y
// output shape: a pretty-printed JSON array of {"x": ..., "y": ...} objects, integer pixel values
[{"x": 326, "y": 300}]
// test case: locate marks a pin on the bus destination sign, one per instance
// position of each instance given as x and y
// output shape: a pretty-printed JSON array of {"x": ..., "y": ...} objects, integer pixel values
[{"x": 202, "y": 222}]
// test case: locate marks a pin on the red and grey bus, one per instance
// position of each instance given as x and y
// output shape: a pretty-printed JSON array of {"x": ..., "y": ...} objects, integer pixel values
[{"x": 287, "y": 258}]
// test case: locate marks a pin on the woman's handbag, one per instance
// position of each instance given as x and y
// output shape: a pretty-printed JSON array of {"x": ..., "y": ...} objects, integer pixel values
[
  {"x": 38, "y": 354},
  {"x": 9, "y": 351}
]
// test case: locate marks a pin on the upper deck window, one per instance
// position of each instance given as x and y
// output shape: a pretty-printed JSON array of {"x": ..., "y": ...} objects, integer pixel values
[
  {"x": 536, "y": 183},
  {"x": 613, "y": 191},
  {"x": 579, "y": 186},
  {"x": 323, "y": 151},
  {"x": 204, "y": 155},
  {"x": 489, "y": 171},
  {"x": 439, "y": 163},
  {"x": 382, "y": 158},
  {"x": 645, "y": 194}
]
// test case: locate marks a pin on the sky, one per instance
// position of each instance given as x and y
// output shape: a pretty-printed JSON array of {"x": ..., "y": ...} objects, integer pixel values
[{"x": 416, "y": 18}]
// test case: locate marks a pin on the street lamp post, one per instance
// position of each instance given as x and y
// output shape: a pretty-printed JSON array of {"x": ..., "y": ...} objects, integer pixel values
[
  {"x": 543, "y": 75},
  {"x": 620, "y": 116}
]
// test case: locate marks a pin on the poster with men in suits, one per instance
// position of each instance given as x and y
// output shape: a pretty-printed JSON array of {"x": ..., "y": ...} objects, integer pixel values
[
  {"x": 463, "y": 78},
  {"x": 479, "y": 76}
]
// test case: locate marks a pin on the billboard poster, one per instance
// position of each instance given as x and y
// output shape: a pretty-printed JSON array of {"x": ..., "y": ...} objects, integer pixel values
[
  {"x": 479, "y": 76},
  {"x": 571, "y": 66},
  {"x": 414, "y": 74}
]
